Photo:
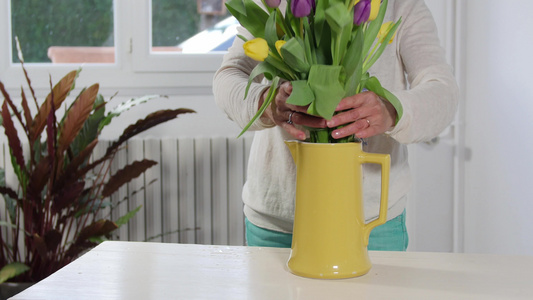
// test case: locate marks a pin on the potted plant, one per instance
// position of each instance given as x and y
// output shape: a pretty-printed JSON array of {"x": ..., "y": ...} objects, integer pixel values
[{"x": 54, "y": 211}]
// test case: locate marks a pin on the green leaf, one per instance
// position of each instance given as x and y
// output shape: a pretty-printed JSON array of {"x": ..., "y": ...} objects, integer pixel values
[
  {"x": 374, "y": 85},
  {"x": 250, "y": 15},
  {"x": 293, "y": 54},
  {"x": 301, "y": 93},
  {"x": 382, "y": 47},
  {"x": 125, "y": 106},
  {"x": 125, "y": 218},
  {"x": 12, "y": 270},
  {"x": 325, "y": 81},
  {"x": 341, "y": 22},
  {"x": 374, "y": 27},
  {"x": 236, "y": 6},
  {"x": 271, "y": 35},
  {"x": 320, "y": 20},
  {"x": 90, "y": 129},
  {"x": 353, "y": 66},
  {"x": 310, "y": 51},
  {"x": 9, "y": 201},
  {"x": 264, "y": 68},
  {"x": 355, "y": 51},
  {"x": 338, "y": 17},
  {"x": 396, "y": 103},
  {"x": 270, "y": 96}
]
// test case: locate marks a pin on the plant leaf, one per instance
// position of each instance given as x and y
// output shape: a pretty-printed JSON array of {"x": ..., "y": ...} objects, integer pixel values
[
  {"x": 38, "y": 178},
  {"x": 67, "y": 196},
  {"x": 253, "y": 17},
  {"x": 40, "y": 246},
  {"x": 10, "y": 196},
  {"x": 59, "y": 93},
  {"x": 320, "y": 19},
  {"x": 98, "y": 228},
  {"x": 12, "y": 137},
  {"x": 73, "y": 172},
  {"x": 12, "y": 105},
  {"x": 125, "y": 175},
  {"x": 26, "y": 109},
  {"x": 294, "y": 55},
  {"x": 125, "y": 106},
  {"x": 301, "y": 93},
  {"x": 52, "y": 239},
  {"x": 374, "y": 85},
  {"x": 51, "y": 139},
  {"x": 76, "y": 117},
  {"x": 268, "y": 99},
  {"x": 271, "y": 35},
  {"x": 150, "y": 121},
  {"x": 382, "y": 47},
  {"x": 12, "y": 270},
  {"x": 125, "y": 218},
  {"x": 264, "y": 68},
  {"x": 90, "y": 129},
  {"x": 324, "y": 80}
]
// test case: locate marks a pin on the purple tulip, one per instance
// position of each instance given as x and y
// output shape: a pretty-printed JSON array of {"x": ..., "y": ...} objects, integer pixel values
[
  {"x": 302, "y": 8},
  {"x": 273, "y": 3},
  {"x": 361, "y": 12}
]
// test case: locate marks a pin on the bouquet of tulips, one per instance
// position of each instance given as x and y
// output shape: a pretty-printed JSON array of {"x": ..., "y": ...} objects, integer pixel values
[{"x": 324, "y": 48}]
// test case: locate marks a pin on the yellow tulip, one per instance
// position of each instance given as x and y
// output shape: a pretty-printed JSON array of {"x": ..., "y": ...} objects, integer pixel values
[
  {"x": 374, "y": 9},
  {"x": 280, "y": 44},
  {"x": 257, "y": 49},
  {"x": 384, "y": 31}
]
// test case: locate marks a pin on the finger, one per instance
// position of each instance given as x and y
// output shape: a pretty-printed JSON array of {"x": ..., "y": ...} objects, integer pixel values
[
  {"x": 308, "y": 120},
  {"x": 293, "y": 131},
  {"x": 285, "y": 89},
  {"x": 354, "y": 128},
  {"x": 345, "y": 117},
  {"x": 354, "y": 101}
]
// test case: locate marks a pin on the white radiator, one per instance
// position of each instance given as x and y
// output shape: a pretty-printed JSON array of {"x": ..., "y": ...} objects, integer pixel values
[{"x": 193, "y": 194}]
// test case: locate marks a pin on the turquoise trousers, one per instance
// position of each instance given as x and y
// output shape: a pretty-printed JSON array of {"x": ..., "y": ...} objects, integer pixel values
[{"x": 391, "y": 236}]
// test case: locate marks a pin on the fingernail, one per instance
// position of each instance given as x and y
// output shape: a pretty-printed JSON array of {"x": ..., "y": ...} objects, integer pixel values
[{"x": 330, "y": 124}]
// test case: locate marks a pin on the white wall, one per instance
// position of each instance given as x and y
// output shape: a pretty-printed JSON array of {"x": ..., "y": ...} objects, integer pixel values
[
  {"x": 430, "y": 207},
  {"x": 499, "y": 127},
  {"x": 207, "y": 121}
]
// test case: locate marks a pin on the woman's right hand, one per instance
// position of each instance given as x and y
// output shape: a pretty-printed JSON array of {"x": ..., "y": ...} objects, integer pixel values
[{"x": 287, "y": 116}]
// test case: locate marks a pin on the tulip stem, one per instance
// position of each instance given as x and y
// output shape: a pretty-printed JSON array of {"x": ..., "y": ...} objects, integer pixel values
[{"x": 369, "y": 56}]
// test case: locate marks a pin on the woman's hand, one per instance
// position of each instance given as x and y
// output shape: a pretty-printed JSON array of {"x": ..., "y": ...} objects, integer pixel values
[
  {"x": 287, "y": 116},
  {"x": 364, "y": 115}
]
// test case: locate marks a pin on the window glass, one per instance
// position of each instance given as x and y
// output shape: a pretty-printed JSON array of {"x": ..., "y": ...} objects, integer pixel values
[
  {"x": 191, "y": 26},
  {"x": 63, "y": 31}
]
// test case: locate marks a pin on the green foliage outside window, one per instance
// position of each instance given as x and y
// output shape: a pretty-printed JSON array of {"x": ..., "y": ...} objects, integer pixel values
[
  {"x": 40, "y": 24},
  {"x": 175, "y": 21}
]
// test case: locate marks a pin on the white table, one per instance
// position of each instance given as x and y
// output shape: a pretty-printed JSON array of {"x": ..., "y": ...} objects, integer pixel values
[{"x": 131, "y": 270}]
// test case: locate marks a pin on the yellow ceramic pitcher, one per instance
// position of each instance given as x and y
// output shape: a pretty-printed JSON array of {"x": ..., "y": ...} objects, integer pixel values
[{"x": 330, "y": 236}]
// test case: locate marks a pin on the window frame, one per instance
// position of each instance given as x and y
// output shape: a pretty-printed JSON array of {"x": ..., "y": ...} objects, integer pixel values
[{"x": 135, "y": 67}]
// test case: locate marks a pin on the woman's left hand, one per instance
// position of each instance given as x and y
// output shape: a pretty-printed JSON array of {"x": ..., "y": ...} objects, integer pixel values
[{"x": 364, "y": 115}]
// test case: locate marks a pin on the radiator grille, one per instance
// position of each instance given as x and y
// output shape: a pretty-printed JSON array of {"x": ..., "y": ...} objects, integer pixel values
[{"x": 193, "y": 194}]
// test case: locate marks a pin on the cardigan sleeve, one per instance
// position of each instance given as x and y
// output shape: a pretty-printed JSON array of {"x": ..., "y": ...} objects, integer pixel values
[
  {"x": 430, "y": 102},
  {"x": 229, "y": 85}
]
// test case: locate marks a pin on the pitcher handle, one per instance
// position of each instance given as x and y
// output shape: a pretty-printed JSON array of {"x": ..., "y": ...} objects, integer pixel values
[{"x": 384, "y": 161}]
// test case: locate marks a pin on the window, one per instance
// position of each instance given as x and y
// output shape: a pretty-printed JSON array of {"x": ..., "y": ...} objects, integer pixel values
[
  {"x": 123, "y": 43},
  {"x": 191, "y": 27},
  {"x": 63, "y": 30}
]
